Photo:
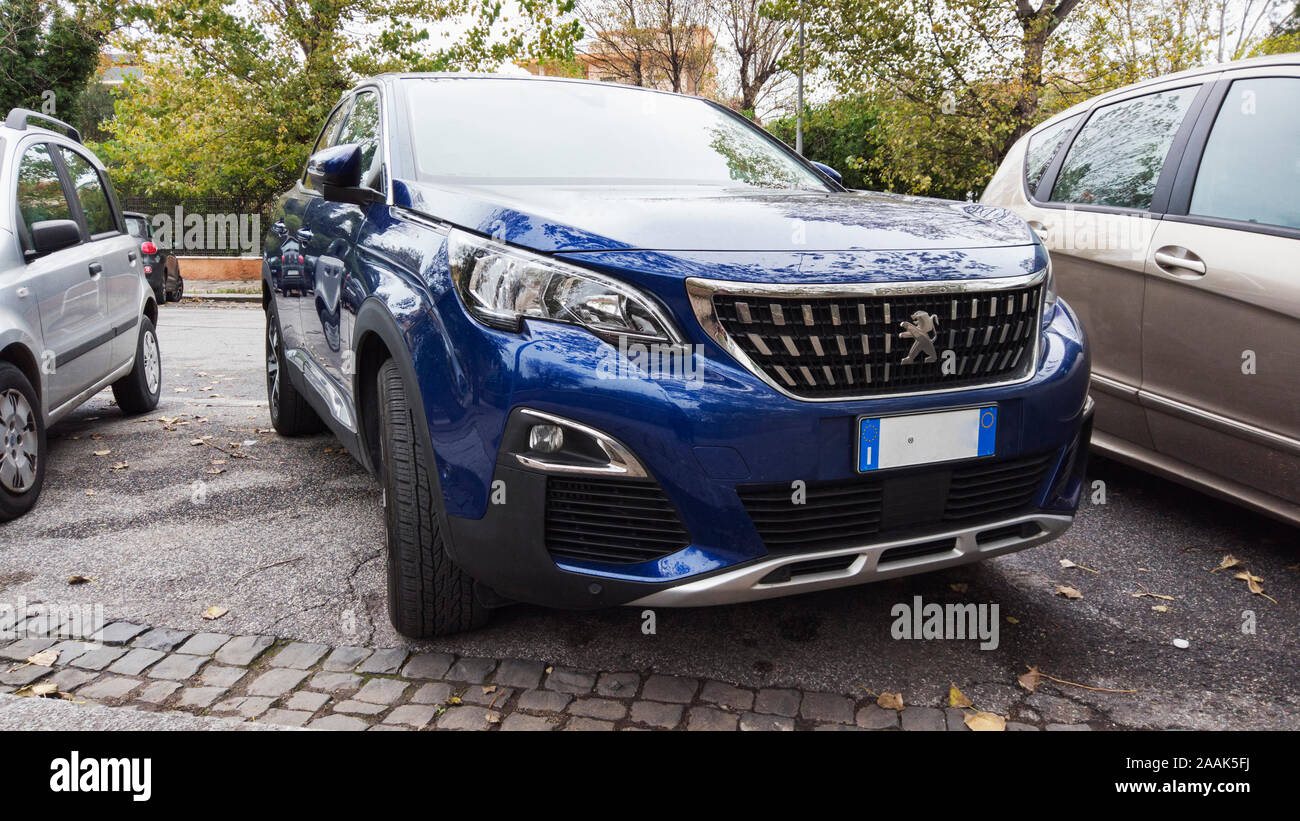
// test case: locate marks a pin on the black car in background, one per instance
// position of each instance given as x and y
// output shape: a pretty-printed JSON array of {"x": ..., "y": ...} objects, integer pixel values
[{"x": 161, "y": 269}]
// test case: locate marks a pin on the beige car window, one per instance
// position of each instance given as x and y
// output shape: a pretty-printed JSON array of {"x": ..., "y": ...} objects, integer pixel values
[
  {"x": 1117, "y": 157},
  {"x": 1250, "y": 170},
  {"x": 1042, "y": 150}
]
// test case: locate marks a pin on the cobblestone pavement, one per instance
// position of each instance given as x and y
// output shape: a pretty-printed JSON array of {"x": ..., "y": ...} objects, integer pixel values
[{"x": 303, "y": 684}]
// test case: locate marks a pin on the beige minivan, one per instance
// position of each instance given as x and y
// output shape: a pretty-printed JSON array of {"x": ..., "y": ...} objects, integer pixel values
[{"x": 1172, "y": 212}]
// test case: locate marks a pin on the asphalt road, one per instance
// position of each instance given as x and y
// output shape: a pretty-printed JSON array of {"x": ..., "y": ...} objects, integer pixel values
[{"x": 290, "y": 537}]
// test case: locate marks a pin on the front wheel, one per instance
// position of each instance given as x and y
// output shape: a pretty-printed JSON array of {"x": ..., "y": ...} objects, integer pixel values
[
  {"x": 22, "y": 444},
  {"x": 138, "y": 391},
  {"x": 428, "y": 595}
]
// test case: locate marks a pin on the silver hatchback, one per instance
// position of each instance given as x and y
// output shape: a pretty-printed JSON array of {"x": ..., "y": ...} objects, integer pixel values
[
  {"x": 1172, "y": 212},
  {"x": 76, "y": 314}
]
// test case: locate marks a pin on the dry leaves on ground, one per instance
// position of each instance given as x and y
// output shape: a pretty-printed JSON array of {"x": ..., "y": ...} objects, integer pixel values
[
  {"x": 890, "y": 701},
  {"x": 1068, "y": 592},
  {"x": 1228, "y": 561},
  {"x": 980, "y": 721},
  {"x": 1254, "y": 583},
  {"x": 215, "y": 612},
  {"x": 956, "y": 698},
  {"x": 1066, "y": 563}
]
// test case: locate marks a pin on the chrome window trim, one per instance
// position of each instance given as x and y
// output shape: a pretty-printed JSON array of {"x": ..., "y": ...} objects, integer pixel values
[{"x": 701, "y": 291}]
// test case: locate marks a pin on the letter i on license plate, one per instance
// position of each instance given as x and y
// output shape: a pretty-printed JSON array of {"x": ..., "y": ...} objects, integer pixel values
[{"x": 925, "y": 438}]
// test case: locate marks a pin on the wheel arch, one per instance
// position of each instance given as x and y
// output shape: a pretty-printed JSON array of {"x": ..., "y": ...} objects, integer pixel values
[{"x": 21, "y": 357}]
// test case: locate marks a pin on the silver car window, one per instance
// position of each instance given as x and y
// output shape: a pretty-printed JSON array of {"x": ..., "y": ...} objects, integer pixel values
[
  {"x": 1250, "y": 170},
  {"x": 1118, "y": 156}
]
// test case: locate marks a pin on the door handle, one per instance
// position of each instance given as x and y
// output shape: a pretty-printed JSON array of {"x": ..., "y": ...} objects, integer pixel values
[
  {"x": 130, "y": 255},
  {"x": 1178, "y": 259},
  {"x": 305, "y": 234},
  {"x": 96, "y": 269}
]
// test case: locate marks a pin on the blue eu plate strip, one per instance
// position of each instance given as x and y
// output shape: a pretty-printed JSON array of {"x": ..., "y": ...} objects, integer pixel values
[
  {"x": 869, "y": 446},
  {"x": 988, "y": 431}
]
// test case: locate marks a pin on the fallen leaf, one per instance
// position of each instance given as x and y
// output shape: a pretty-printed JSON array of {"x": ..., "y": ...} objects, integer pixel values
[
  {"x": 1068, "y": 592},
  {"x": 78, "y": 579},
  {"x": 45, "y": 658},
  {"x": 1066, "y": 563},
  {"x": 1160, "y": 608},
  {"x": 493, "y": 718},
  {"x": 40, "y": 690},
  {"x": 959, "y": 587},
  {"x": 1228, "y": 561},
  {"x": 197, "y": 442},
  {"x": 214, "y": 612},
  {"x": 981, "y": 721},
  {"x": 1012, "y": 620},
  {"x": 1253, "y": 582},
  {"x": 1031, "y": 679},
  {"x": 90, "y": 493},
  {"x": 121, "y": 466},
  {"x": 956, "y": 698},
  {"x": 454, "y": 700},
  {"x": 890, "y": 701},
  {"x": 1146, "y": 593},
  {"x": 102, "y": 452},
  {"x": 181, "y": 390}
]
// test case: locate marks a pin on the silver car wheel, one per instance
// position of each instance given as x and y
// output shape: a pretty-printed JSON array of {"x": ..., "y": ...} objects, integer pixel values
[
  {"x": 18, "y": 442},
  {"x": 152, "y": 362}
]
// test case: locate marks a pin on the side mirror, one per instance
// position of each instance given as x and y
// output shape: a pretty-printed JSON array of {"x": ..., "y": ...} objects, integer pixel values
[
  {"x": 828, "y": 171},
  {"x": 54, "y": 235},
  {"x": 336, "y": 171}
]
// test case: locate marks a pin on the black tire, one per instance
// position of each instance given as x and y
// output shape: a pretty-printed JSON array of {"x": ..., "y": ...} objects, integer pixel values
[
  {"x": 138, "y": 391},
  {"x": 428, "y": 595},
  {"x": 18, "y": 425},
  {"x": 291, "y": 414}
]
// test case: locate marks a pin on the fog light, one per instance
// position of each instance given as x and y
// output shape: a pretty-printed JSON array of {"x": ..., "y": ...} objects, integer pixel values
[{"x": 546, "y": 438}]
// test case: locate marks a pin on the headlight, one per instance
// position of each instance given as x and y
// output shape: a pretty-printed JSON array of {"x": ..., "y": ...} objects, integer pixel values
[
  {"x": 501, "y": 285},
  {"x": 1049, "y": 289}
]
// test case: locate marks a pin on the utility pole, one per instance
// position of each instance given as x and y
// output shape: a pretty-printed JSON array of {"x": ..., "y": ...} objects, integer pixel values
[{"x": 798, "y": 114}]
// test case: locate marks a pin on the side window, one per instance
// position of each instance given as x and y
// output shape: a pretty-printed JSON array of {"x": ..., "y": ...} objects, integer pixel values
[
  {"x": 362, "y": 128},
  {"x": 90, "y": 191},
  {"x": 1117, "y": 157},
  {"x": 325, "y": 140},
  {"x": 1250, "y": 170},
  {"x": 40, "y": 191},
  {"x": 1042, "y": 150}
]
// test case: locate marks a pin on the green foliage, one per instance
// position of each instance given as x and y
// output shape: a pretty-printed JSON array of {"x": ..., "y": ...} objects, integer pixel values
[
  {"x": 48, "y": 53},
  {"x": 842, "y": 133},
  {"x": 235, "y": 103},
  {"x": 1285, "y": 36}
]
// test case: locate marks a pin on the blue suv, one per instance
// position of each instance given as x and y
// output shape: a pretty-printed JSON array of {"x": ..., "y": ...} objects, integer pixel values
[{"x": 606, "y": 345}]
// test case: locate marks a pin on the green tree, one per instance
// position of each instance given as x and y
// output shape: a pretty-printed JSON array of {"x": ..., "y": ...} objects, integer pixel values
[
  {"x": 1284, "y": 37},
  {"x": 842, "y": 133},
  {"x": 234, "y": 102},
  {"x": 48, "y": 52}
]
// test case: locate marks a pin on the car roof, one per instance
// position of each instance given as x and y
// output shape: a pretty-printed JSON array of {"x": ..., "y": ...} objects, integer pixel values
[
  {"x": 135, "y": 214},
  {"x": 527, "y": 78},
  {"x": 1289, "y": 59}
]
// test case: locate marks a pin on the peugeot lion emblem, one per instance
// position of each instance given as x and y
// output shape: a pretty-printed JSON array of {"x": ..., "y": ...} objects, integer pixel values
[{"x": 919, "y": 330}]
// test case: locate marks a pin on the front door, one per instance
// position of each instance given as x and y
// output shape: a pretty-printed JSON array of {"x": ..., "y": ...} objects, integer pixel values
[{"x": 69, "y": 285}]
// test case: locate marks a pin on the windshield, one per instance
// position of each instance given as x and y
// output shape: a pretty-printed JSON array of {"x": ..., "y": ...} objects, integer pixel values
[{"x": 501, "y": 131}]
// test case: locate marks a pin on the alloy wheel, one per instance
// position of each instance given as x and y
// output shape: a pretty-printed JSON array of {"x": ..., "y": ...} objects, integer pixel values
[{"x": 18, "y": 442}]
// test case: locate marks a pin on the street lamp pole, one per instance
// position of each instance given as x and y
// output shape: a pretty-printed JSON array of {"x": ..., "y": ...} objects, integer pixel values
[{"x": 798, "y": 115}]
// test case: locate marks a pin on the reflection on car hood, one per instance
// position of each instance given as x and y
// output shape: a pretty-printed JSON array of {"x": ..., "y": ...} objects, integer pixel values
[{"x": 556, "y": 218}]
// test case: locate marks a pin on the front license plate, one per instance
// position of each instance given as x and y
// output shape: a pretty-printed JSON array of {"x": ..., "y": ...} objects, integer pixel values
[{"x": 924, "y": 438}]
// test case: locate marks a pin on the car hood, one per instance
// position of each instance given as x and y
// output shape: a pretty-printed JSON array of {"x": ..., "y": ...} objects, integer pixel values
[{"x": 590, "y": 218}]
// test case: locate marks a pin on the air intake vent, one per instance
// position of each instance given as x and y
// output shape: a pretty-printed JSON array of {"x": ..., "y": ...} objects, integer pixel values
[
  {"x": 616, "y": 521},
  {"x": 858, "y": 511}
]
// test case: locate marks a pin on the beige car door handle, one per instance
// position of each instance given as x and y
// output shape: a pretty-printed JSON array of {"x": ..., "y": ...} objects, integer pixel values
[{"x": 1179, "y": 259}]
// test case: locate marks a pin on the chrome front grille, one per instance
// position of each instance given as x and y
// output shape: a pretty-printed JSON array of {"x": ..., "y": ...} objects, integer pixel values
[{"x": 825, "y": 343}]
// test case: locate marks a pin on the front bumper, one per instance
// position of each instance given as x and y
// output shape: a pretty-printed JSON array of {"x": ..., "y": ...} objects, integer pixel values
[{"x": 701, "y": 445}]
